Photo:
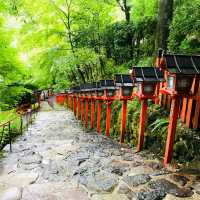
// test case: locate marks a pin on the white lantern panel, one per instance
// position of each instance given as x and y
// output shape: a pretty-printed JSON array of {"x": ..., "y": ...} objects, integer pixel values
[{"x": 170, "y": 82}]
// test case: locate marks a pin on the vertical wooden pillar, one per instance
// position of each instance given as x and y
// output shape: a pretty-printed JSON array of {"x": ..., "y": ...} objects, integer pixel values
[
  {"x": 71, "y": 102},
  {"x": 66, "y": 100},
  {"x": 191, "y": 105},
  {"x": 123, "y": 121},
  {"x": 79, "y": 108},
  {"x": 99, "y": 116},
  {"x": 108, "y": 117},
  {"x": 183, "y": 110},
  {"x": 174, "y": 113},
  {"x": 143, "y": 116},
  {"x": 189, "y": 112},
  {"x": 75, "y": 105},
  {"x": 164, "y": 100},
  {"x": 82, "y": 110},
  {"x": 65, "y": 103},
  {"x": 169, "y": 100},
  {"x": 157, "y": 99},
  {"x": 92, "y": 113},
  {"x": 86, "y": 112},
  {"x": 197, "y": 109}
]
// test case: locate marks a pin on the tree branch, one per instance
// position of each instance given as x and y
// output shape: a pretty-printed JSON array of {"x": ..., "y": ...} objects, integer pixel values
[{"x": 120, "y": 5}]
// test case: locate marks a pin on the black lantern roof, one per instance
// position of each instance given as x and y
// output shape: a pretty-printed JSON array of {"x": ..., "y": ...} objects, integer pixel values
[
  {"x": 86, "y": 87},
  {"x": 82, "y": 87},
  {"x": 182, "y": 64},
  {"x": 37, "y": 91},
  {"x": 123, "y": 80},
  {"x": 75, "y": 89},
  {"x": 107, "y": 84},
  {"x": 147, "y": 74},
  {"x": 94, "y": 86},
  {"x": 98, "y": 86}
]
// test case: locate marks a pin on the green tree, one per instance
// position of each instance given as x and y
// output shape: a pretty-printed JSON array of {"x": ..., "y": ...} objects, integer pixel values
[{"x": 184, "y": 31}]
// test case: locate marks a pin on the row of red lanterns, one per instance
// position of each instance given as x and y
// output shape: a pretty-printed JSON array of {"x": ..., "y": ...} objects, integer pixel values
[{"x": 174, "y": 75}]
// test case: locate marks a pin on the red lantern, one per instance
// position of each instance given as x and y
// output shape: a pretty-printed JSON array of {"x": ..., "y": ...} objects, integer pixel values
[
  {"x": 146, "y": 79},
  {"x": 124, "y": 83},
  {"x": 109, "y": 95},
  {"x": 181, "y": 72}
]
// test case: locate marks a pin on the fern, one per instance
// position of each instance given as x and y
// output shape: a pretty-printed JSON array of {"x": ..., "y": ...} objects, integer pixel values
[{"x": 159, "y": 125}]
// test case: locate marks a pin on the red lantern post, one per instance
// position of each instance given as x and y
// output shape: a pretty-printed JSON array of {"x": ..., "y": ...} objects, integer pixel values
[
  {"x": 123, "y": 122},
  {"x": 124, "y": 93},
  {"x": 99, "y": 104},
  {"x": 75, "y": 104},
  {"x": 108, "y": 118},
  {"x": 142, "y": 124},
  {"x": 99, "y": 98},
  {"x": 86, "y": 111},
  {"x": 71, "y": 102},
  {"x": 147, "y": 79},
  {"x": 109, "y": 96},
  {"x": 92, "y": 113},
  {"x": 67, "y": 100},
  {"x": 180, "y": 72},
  {"x": 93, "y": 88},
  {"x": 79, "y": 107},
  {"x": 82, "y": 109}
]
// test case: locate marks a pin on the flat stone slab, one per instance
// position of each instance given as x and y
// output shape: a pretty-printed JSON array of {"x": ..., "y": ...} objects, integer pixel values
[
  {"x": 16, "y": 180},
  {"x": 31, "y": 158},
  {"x": 102, "y": 182},
  {"x": 140, "y": 170},
  {"x": 54, "y": 191},
  {"x": 170, "y": 188},
  {"x": 182, "y": 192},
  {"x": 196, "y": 186},
  {"x": 151, "y": 195},
  {"x": 13, "y": 193},
  {"x": 109, "y": 197},
  {"x": 163, "y": 185},
  {"x": 124, "y": 189},
  {"x": 182, "y": 180},
  {"x": 137, "y": 180}
]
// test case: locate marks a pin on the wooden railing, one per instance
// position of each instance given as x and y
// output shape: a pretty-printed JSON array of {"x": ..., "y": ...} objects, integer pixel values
[
  {"x": 189, "y": 111},
  {"x": 15, "y": 126}
]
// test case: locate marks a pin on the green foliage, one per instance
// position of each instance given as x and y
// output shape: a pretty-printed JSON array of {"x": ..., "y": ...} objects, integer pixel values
[
  {"x": 184, "y": 34},
  {"x": 11, "y": 72},
  {"x": 7, "y": 115},
  {"x": 128, "y": 43},
  {"x": 14, "y": 127},
  {"x": 143, "y": 9},
  {"x": 159, "y": 126},
  {"x": 118, "y": 41},
  {"x": 187, "y": 143}
]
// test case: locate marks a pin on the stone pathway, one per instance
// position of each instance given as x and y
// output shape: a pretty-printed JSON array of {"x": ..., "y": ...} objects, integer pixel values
[{"x": 56, "y": 159}]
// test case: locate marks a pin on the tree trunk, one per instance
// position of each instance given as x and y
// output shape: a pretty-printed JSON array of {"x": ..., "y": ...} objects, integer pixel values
[
  {"x": 81, "y": 73},
  {"x": 125, "y": 8},
  {"x": 165, "y": 15},
  {"x": 127, "y": 15}
]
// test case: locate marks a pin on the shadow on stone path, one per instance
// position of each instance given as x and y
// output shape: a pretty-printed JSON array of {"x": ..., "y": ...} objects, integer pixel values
[{"x": 56, "y": 159}]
